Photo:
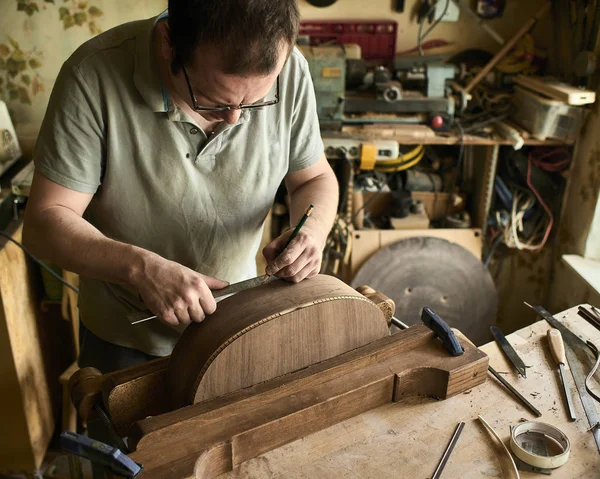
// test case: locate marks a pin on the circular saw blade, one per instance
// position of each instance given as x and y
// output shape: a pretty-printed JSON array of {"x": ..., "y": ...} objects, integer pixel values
[{"x": 427, "y": 271}]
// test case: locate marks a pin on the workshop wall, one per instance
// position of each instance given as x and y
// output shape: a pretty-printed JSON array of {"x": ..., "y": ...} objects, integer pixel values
[
  {"x": 462, "y": 35},
  {"x": 37, "y": 36},
  {"x": 579, "y": 208}
]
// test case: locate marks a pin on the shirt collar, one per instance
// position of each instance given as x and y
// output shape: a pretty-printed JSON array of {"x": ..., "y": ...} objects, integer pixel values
[{"x": 146, "y": 74}]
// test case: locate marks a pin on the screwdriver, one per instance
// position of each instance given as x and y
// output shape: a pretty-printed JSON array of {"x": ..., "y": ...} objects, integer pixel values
[{"x": 557, "y": 348}]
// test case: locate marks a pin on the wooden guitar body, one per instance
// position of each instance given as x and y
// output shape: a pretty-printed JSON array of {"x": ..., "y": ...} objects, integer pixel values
[{"x": 268, "y": 331}]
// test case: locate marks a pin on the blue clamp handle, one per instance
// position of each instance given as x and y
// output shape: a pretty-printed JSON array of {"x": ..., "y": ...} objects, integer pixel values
[
  {"x": 99, "y": 453},
  {"x": 433, "y": 321}
]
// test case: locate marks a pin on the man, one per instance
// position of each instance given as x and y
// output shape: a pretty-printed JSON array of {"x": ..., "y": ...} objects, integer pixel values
[{"x": 162, "y": 148}]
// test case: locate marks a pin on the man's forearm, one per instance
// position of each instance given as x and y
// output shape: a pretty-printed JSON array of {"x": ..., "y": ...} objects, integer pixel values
[
  {"x": 61, "y": 236},
  {"x": 322, "y": 192}
]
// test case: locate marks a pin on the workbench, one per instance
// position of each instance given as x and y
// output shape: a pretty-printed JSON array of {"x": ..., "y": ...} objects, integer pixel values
[{"x": 407, "y": 438}]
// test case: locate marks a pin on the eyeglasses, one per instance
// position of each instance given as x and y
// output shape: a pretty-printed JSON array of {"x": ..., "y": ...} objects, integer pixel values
[{"x": 254, "y": 106}]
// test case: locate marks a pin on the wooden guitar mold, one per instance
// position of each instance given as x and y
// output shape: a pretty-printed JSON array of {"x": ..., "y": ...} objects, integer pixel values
[
  {"x": 213, "y": 437},
  {"x": 268, "y": 331}
]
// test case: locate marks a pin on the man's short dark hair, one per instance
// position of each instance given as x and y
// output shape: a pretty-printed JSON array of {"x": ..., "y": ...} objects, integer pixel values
[{"x": 248, "y": 33}]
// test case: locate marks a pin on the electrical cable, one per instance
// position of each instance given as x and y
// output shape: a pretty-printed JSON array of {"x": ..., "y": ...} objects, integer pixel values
[
  {"x": 544, "y": 205},
  {"x": 402, "y": 165},
  {"x": 46, "y": 267},
  {"x": 542, "y": 158},
  {"x": 457, "y": 168},
  {"x": 490, "y": 255},
  {"x": 421, "y": 36}
]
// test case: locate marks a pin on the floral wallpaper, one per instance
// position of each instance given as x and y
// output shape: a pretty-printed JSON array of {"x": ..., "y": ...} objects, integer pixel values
[{"x": 37, "y": 36}]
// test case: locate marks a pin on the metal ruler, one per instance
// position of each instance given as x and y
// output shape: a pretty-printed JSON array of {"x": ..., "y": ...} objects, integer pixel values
[
  {"x": 142, "y": 317},
  {"x": 572, "y": 343}
]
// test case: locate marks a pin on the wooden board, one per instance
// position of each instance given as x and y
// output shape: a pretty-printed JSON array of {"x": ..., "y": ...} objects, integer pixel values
[
  {"x": 368, "y": 133},
  {"x": 299, "y": 324},
  {"x": 414, "y": 221},
  {"x": 557, "y": 90},
  {"x": 407, "y": 439},
  {"x": 229, "y": 430},
  {"x": 367, "y": 242},
  {"x": 26, "y": 415}
]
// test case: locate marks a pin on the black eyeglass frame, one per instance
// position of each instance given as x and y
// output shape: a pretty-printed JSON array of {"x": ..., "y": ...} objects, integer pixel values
[{"x": 254, "y": 106}]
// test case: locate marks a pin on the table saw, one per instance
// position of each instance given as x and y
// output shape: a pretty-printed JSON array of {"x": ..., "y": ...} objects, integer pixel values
[{"x": 274, "y": 364}]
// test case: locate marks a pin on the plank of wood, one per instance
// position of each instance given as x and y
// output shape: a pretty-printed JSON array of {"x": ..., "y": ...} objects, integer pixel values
[
  {"x": 416, "y": 132},
  {"x": 557, "y": 90},
  {"x": 368, "y": 242},
  {"x": 450, "y": 139},
  {"x": 299, "y": 324},
  {"x": 25, "y": 406},
  {"x": 248, "y": 423}
]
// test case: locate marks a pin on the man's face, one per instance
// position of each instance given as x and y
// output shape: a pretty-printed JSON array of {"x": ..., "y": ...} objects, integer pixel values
[{"x": 213, "y": 88}]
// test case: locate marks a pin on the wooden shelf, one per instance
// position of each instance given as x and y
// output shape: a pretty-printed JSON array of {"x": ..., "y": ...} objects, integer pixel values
[{"x": 422, "y": 135}]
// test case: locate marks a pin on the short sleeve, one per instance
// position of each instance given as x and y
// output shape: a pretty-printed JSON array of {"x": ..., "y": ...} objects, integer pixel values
[
  {"x": 306, "y": 145},
  {"x": 70, "y": 148}
]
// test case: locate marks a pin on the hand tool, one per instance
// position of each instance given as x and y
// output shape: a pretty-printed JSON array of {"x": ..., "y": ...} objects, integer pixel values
[
  {"x": 591, "y": 316},
  {"x": 236, "y": 287},
  {"x": 509, "y": 351},
  {"x": 399, "y": 324},
  {"x": 439, "y": 469},
  {"x": 572, "y": 343},
  {"x": 433, "y": 321},
  {"x": 557, "y": 348},
  {"x": 217, "y": 293},
  {"x": 516, "y": 393},
  {"x": 99, "y": 453}
]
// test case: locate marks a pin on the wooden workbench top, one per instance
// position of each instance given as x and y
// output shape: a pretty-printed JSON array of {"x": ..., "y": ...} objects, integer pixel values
[{"x": 407, "y": 439}]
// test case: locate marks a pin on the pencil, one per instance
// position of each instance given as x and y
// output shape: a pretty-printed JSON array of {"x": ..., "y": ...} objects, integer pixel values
[{"x": 305, "y": 216}]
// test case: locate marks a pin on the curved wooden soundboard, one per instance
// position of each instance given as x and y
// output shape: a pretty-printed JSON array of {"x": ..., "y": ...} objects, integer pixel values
[{"x": 267, "y": 332}]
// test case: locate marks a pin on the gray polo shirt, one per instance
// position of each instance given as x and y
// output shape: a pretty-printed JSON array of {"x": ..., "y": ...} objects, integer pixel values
[{"x": 111, "y": 129}]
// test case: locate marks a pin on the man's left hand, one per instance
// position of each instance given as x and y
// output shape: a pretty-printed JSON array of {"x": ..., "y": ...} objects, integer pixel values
[{"x": 300, "y": 260}]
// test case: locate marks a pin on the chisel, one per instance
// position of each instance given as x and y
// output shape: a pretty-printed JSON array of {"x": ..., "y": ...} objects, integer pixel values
[
  {"x": 509, "y": 351},
  {"x": 557, "y": 348}
]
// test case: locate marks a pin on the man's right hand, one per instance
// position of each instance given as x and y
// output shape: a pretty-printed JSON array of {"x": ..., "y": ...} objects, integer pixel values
[{"x": 176, "y": 294}]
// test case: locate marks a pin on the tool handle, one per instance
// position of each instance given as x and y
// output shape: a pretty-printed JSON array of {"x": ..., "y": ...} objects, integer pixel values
[
  {"x": 557, "y": 347},
  {"x": 99, "y": 453},
  {"x": 433, "y": 321}
]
